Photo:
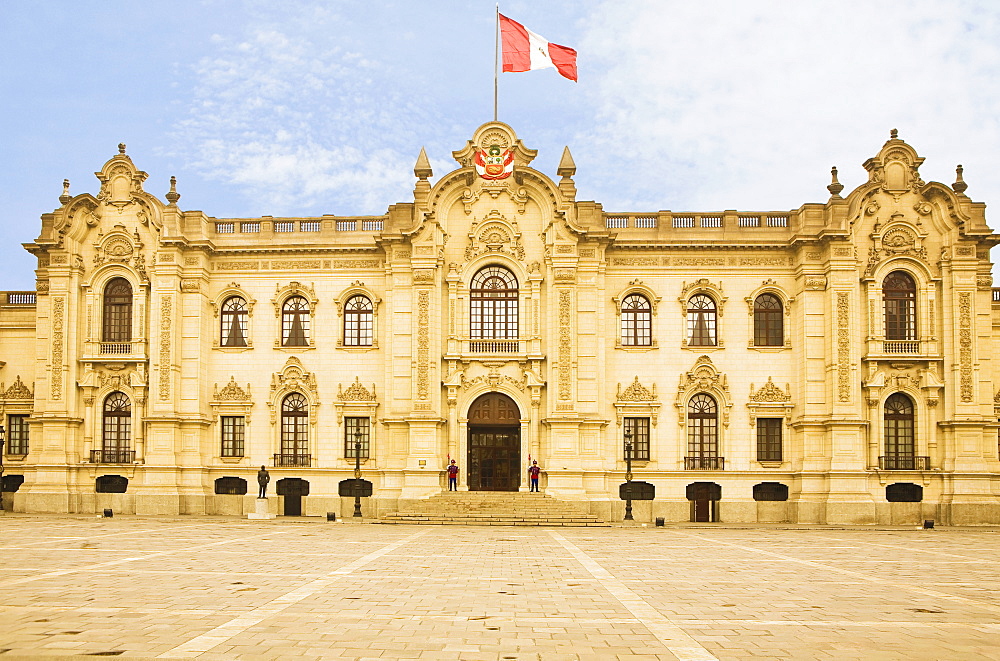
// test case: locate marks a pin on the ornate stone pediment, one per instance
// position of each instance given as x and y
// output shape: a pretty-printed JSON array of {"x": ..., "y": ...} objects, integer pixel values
[
  {"x": 636, "y": 392},
  {"x": 494, "y": 234},
  {"x": 704, "y": 377},
  {"x": 770, "y": 393},
  {"x": 899, "y": 238},
  {"x": 356, "y": 392},
  {"x": 232, "y": 392},
  {"x": 17, "y": 390},
  {"x": 293, "y": 377}
]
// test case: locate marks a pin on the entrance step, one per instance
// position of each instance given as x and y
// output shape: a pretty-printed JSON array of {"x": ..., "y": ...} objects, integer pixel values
[{"x": 486, "y": 508}]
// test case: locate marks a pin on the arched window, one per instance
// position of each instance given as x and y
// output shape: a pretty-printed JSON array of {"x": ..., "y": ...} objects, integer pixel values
[
  {"x": 900, "y": 442},
  {"x": 234, "y": 322},
  {"x": 358, "y": 322},
  {"x": 701, "y": 321},
  {"x": 117, "y": 325},
  {"x": 295, "y": 322},
  {"x": 116, "y": 432},
  {"x": 703, "y": 433},
  {"x": 768, "y": 321},
  {"x": 494, "y": 304},
  {"x": 637, "y": 318},
  {"x": 899, "y": 295},
  {"x": 294, "y": 431}
]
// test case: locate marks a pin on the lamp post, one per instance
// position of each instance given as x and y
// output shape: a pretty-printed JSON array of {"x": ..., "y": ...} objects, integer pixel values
[
  {"x": 628, "y": 475},
  {"x": 357, "y": 472}
]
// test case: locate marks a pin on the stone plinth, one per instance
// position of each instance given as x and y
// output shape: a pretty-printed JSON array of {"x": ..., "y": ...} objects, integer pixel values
[{"x": 260, "y": 510}]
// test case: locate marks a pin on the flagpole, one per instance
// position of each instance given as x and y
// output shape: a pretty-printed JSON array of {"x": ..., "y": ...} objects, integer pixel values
[{"x": 496, "y": 49}]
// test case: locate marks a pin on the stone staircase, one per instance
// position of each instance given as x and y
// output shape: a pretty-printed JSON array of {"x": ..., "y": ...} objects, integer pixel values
[{"x": 494, "y": 508}]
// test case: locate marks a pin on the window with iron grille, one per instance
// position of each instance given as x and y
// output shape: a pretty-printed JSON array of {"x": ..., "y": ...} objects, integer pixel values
[
  {"x": 636, "y": 430},
  {"x": 493, "y": 299},
  {"x": 233, "y": 433},
  {"x": 17, "y": 434},
  {"x": 768, "y": 321},
  {"x": 637, "y": 320},
  {"x": 701, "y": 321},
  {"x": 702, "y": 427},
  {"x": 900, "y": 442},
  {"x": 358, "y": 314},
  {"x": 356, "y": 429},
  {"x": 770, "y": 491},
  {"x": 117, "y": 425},
  {"x": 234, "y": 322},
  {"x": 295, "y": 322},
  {"x": 233, "y": 486},
  {"x": 295, "y": 425},
  {"x": 117, "y": 325},
  {"x": 899, "y": 295},
  {"x": 769, "y": 439}
]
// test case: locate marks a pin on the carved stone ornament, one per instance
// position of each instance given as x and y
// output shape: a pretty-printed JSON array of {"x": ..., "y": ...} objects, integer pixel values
[
  {"x": 17, "y": 390},
  {"x": 636, "y": 392},
  {"x": 121, "y": 182},
  {"x": 816, "y": 282},
  {"x": 494, "y": 234},
  {"x": 636, "y": 399},
  {"x": 702, "y": 286},
  {"x": 356, "y": 392},
  {"x": 117, "y": 247},
  {"x": 770, "y": 393},
  {"x": 704, "y": 377},
  {"x": 292, "y": 378},
  {"x": 291, "y": 289},
  {"x": 232, "y": 392},
  {"x": 897, "y": 239}
]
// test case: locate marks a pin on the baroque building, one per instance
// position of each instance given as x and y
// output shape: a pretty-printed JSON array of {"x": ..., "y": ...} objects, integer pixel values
[{"x": 829, "y": 364}]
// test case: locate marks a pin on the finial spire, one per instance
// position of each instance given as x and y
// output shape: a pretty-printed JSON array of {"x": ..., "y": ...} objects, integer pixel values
[
  {"x": 172, "y": 195},
  {"x": 835, "y": 186},
  {"x": 894, "y": 134},
  {"x": 422, "y": 168},
  {"x": 567, "y": 166},
  {"x": 65, "y": 197},
  {"x": 121, "y": 148},
  {"x": 959, "y": 186}
]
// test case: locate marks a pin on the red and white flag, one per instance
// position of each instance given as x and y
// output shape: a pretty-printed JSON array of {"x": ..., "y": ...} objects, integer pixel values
[{"x": 523, "y": 50}]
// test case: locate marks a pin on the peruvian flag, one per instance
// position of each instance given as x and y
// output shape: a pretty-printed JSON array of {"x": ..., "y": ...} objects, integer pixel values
[{"x": 523, "y": 50}]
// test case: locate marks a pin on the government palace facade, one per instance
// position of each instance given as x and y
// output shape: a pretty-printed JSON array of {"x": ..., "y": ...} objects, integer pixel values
[{"x": 830, "y": 364}]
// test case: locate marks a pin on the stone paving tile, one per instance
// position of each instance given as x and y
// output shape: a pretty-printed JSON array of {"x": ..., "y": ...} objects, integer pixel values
[{"x": 218, "y": 588}]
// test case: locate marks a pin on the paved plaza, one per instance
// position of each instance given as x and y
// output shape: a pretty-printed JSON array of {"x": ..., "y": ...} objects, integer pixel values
[{"x": 217, "y": 588}]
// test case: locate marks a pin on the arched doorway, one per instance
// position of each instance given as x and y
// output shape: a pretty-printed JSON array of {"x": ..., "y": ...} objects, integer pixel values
[{"x": 494, "y": 444}]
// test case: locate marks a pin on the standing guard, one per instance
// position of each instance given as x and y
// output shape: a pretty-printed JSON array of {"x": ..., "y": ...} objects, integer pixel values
[{"x": 533, "y": 472}]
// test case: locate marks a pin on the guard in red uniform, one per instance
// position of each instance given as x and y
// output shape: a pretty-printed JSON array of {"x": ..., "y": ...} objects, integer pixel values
[
  {"x": 452, "y": 476},
  {"x": 533, "y": 472}
]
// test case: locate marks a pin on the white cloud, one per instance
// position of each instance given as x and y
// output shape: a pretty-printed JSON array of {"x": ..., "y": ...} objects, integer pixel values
[{"x": 747, "y": 105}]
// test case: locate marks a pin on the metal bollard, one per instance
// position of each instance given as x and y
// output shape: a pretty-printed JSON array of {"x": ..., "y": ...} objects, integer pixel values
[
  {"x": 331, "y": 516},
  {"x": 108, "y": 513},
  {"x": 659, "y": 522}
]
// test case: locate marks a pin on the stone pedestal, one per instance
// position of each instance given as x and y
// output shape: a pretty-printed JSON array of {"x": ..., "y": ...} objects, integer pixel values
[{"x": 260, "y": 510}]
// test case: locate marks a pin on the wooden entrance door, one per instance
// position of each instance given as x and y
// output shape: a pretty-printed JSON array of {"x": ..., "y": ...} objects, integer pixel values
[
  {"x": 494, "y": 456},
  {"x": 292, "y": 489}
]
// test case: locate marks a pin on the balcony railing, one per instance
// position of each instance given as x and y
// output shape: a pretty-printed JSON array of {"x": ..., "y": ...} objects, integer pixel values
[
  {"x": 705, "y": 463},
  {"x": 20, "y": 298},
  {"x": 904, "y": 463},
  {"x": 293, "y": 460},
  {"x": 901, "y": 346},
  {"x": 116, "y": 348},
  {"x": 112, "y": 456},
  {"x": 494, "y": 346}
]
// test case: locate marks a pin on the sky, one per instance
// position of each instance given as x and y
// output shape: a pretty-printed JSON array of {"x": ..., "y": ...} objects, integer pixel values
[{"x": 307, "y": 108}]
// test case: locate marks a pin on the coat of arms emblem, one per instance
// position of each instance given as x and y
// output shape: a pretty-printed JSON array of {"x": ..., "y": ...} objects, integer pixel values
[{"x": 494, "y": 162}]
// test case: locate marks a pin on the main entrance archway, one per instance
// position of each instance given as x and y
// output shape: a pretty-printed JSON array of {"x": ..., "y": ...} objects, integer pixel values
[{"x": 494, "y": 444}]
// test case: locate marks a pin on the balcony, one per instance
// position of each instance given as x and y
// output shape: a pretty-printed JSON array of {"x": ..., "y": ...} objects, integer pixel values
[
  {"x": 705, "y": 463},
  {"x": 494, "y": 346},
  {"x": 293, "y": 460},
  {"x": 112, "y": 456},
  {"x": 896, "y": 347},
  {"x": 904, "y": 463}
]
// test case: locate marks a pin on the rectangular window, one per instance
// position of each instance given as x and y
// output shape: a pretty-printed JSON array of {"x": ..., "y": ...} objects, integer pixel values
[
  {"x": 233, "y": 433},
  {"x": 17, "y": 434},
  {"x": 769, "y": 439},
  {"x": 356, "y": 429},
  {"x": 637, "y": 431}
]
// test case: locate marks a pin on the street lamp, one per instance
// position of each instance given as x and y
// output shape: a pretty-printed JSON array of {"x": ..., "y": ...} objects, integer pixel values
[
  {"x": 628, "y": 475},
  {"x": 357, "y": 472},
  {"x": 1, "y": 467}
]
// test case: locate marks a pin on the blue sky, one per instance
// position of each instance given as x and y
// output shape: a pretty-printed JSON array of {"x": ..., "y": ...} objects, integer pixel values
[{"x": 306, "y": 108}]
